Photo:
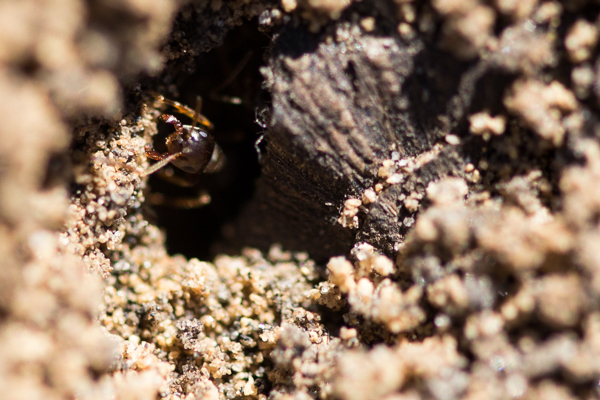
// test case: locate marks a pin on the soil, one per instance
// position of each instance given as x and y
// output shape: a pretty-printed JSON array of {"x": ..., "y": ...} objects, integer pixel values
[{"x": 409, "y": 209}]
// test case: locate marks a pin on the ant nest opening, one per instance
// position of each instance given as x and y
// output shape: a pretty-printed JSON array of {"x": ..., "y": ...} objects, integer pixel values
[{"x": 198, "y": 201}]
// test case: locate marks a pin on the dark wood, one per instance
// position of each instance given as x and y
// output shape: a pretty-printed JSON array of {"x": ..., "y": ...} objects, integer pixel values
[{"x": 338, "y": 110}]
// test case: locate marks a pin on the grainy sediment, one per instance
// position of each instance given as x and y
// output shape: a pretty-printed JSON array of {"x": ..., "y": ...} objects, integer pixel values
[{"x": 427, "y": 212}]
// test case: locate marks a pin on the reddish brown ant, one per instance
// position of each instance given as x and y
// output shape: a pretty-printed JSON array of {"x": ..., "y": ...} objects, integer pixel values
[{"x": 191, "y": 148}]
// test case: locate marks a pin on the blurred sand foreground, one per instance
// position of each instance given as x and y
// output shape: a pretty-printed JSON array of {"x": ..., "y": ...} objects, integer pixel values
[{"x": 493, "y": 293}]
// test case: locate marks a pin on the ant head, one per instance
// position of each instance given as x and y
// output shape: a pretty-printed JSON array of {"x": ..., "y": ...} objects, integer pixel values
[
  {"x": 191, "y": 148},
  {"x": 196, "y": 147}
]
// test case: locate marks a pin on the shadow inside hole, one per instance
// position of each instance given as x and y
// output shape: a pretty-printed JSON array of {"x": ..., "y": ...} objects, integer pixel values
[{"x": 197, "y": 232}]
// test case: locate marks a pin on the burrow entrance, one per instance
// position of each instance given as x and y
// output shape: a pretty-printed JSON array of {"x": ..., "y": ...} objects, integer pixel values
[{"x": 201, "y": 232}]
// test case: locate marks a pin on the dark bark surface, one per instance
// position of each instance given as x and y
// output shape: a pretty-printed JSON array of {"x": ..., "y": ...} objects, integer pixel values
[{"x": 340, "y": 108}]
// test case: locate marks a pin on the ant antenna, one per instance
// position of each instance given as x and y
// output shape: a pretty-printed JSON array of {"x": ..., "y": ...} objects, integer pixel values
[
  {"x": 179, "y": 129},
  {"x": 238, "y": 68},
  {"x": 155, "y": 167}
]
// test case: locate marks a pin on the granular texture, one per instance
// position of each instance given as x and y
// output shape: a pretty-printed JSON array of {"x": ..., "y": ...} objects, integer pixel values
[{"x": 427, "y": 216}]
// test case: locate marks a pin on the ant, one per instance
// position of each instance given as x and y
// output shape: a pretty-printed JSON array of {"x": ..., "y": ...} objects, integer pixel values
[{"x": 191, "y": 148}]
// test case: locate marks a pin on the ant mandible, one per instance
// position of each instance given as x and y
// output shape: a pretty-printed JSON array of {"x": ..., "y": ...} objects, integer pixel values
[{"x": 190, "y": 148}]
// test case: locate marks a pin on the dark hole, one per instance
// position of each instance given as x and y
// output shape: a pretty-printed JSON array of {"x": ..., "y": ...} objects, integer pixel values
[
  {"x": 58, "y": 171},
  {"x": 197, "y": 232}
]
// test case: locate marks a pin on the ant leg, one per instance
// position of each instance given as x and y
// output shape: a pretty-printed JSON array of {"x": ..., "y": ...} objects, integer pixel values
[
  {"x": 214, "y": 94},
  {"x": 185, "y": 110},
  {"x": 189, "y": 180},
  {"x": 158, "y": 199}
]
